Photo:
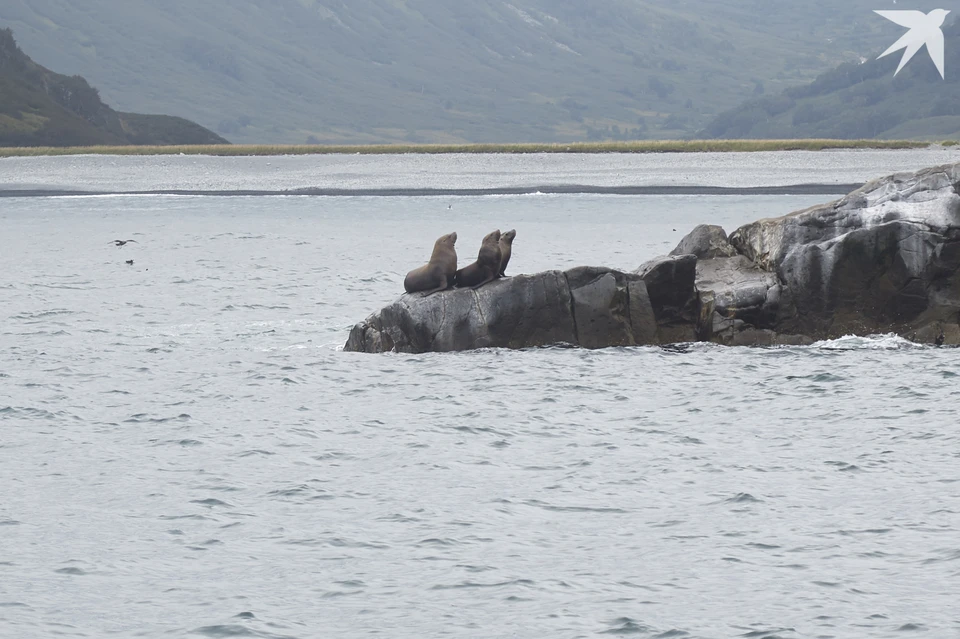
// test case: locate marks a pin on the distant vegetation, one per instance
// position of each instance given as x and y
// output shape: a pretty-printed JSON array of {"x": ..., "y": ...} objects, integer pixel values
[
  {"x": 42, "y": 108},
  {"x": 436, "y": 71},
  {"x": 857, "y": 101},
  {"x": 650, "y": 146}
]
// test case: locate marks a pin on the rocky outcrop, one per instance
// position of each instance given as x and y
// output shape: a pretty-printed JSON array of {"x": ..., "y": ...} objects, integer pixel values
[
  {"x": 586, "y": 306},
  {"x": 672, "y": 285},
  {"x": 706, "y": 241},
  {"x": 522, "y": 311},
  {"x": 885, "y": 258}
]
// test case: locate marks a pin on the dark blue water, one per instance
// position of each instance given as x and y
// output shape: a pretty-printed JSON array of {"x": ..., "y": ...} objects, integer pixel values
[{"x": 185, "y": 451}]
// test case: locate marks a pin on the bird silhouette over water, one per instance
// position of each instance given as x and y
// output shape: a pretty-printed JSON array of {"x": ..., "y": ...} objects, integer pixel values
[
  {"x": 130, "y": 262},
  {"x": 120, "y": 243}
]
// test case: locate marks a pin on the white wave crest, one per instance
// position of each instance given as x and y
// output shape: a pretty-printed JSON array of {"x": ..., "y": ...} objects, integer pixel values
[{"x": 887, "y": 342}]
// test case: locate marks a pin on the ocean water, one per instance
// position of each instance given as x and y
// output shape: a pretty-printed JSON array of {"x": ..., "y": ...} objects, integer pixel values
[
  {"x": 186, "y": 451},
  {"x": 116, "y": 174}
]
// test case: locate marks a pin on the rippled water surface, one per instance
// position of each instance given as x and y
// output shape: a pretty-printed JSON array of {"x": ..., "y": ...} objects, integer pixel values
[
  {"x": 461, "y": 171},
  {"x": 185, "y": 451}
]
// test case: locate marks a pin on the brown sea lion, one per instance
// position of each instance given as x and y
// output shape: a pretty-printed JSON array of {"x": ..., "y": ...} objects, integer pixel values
[
  {"x": 437, "y": 274},
  {"x": 487, "y": 265},
  {"x": 506, "y": 248}
]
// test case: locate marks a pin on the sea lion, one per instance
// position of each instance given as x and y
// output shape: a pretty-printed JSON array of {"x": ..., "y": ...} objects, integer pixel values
[
  {"x": 506, "y": 247},
  {"x": 487, "y": 265},
  {"x": 437, "y": 274}
]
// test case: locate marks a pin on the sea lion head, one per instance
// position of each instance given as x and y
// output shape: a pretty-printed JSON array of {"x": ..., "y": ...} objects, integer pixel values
[
  {"x": 493, "y": 236},
  {"x": 450, "y": 239},
  {"x": 509, "y": 235}
]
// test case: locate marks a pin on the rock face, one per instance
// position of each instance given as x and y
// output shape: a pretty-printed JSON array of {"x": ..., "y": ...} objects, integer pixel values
[
  {"x": 586, "y": 306},
  {"x": 672, "y": 285},
  {"x": 706, "y": 241},
  {"x": 885, "y": 258}
]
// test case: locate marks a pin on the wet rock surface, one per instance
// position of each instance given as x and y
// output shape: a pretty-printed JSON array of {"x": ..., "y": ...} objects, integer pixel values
[
  {"x": 883, "y": 259},
  {"x": 586, "y": 306}
]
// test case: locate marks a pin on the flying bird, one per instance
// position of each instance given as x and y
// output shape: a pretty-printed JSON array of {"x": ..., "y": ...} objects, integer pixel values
[
  {"x": 122, "y": 242},
  {"x": 924, "y": 30}
]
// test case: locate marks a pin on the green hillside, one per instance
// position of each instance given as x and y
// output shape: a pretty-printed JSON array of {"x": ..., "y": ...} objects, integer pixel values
[
  {"x": 367, "y": 71},
  {"x": 42, "y": 108},
  {"x": 859, "y": 101}
]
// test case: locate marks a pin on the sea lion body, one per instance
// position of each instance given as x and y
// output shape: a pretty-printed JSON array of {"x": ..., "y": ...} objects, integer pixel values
[
  {"x": 437, "y": 274},
  {"x": 487, "y": 265},
  {"x": 506, "y": 248}
]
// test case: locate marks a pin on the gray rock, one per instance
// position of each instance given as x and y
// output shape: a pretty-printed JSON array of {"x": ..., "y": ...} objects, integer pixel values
[
  {"x": 671, "y": 285},
  {"x": 515, "y": 312},
  {"x": 927, "y": 198},
  {"x": 611, "y": 308},
  {"x": 885, "y": 258},
  {"x": 706, "y": 241},
  {"x": 586, "y": 306},
  {"x": 744, "y": 296}
]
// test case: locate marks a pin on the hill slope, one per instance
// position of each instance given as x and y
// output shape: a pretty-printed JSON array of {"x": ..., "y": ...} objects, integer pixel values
[
  {"x": 439, "y": 71},
  {"x": 859, "y": 101},
  {"x": 42, "y": 108}
]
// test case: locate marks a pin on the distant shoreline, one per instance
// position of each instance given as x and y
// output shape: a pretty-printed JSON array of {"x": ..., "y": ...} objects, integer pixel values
[
  {"x": 565, "y": 189},
  {"x": 640, "y": 146}
]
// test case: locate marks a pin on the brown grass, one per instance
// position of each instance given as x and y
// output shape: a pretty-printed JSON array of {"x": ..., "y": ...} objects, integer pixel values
[{"x": 641, "y": 146}]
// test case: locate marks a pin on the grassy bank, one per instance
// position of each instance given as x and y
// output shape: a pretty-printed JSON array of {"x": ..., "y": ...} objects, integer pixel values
[{"x": 641, "y": 146}]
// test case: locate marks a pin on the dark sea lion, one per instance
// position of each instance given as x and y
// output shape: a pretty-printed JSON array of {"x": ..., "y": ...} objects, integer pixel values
[
  {"x": 437, "y": 274},
  {"x": 506, "y": 248},
  {"x": 487, "y": 265}
]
